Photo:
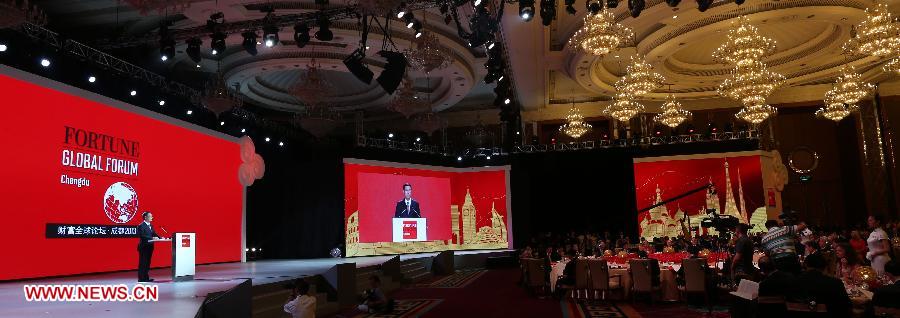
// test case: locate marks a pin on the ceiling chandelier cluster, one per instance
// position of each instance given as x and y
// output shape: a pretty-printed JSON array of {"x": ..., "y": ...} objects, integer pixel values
[
  {"x": 426, "y": 54},
  {"x": 14, "y": 13},
  {"x": 218, "y": 97},
  {"x": 624, "y": 107},
  {"x": 750, "y": 82},
  {"x": 429, "y": 122},
  {"x": 640, "y": 79},
  {"x": 600, "y": 33},
  {"x": 673, "y": 114},
  {"x": 877, "y": 35},
  {"x": 575, "y": 125},
  {"x": 843, "y": 97},
  {"x": 312, "y": 91},
  {"x": 407, "y": 101}
]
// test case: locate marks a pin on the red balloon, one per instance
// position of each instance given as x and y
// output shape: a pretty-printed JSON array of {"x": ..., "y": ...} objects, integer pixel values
[{"x": 247, "y": 149}]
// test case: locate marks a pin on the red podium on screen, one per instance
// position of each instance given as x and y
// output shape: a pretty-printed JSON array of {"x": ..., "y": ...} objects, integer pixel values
[{"x": 410, "y": 229}]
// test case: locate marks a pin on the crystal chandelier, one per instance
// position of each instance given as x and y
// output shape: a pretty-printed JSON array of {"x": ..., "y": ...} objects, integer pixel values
[
  {"x": 751, "y": 84},
  {"x": 426, "y": 54},
  {"x": 600, "y": 34},
  {"x": 218, "y": 98},
  {"x": 877, "y": 35},
  {"x": 892, "y": 66},
  {"x": 834, "y": 109},
  {"x": 318, "y": 121},
  {"x": 407, "y": 101},
  {"x": 575, "y": 125},
  {"x": 849, "y": 88},
  {"x": 428, "y": 122},
  {"x": 640, "y": 78},
  {"x": 313, "y": 89},
  {"x": 14, "y": 13},
  {"x": 673, "y": 114},
  {"x": 744, "y": 45},
  {"x": 624, "y": 107},
  {"x": 756, "y": 114},
  {"x": 479, "y": 135}
]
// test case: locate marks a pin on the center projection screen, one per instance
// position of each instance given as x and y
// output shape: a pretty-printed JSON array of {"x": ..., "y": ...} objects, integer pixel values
[
  {"x": 81, "y": 168},
  {"x": 442, "y": 208}
]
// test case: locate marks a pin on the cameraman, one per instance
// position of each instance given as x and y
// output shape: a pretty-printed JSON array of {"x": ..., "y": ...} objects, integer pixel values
[
  {"x": 301, "y": 304},
  {"x": 374, "y": 300},
  {"x": 780, "y": 244}
]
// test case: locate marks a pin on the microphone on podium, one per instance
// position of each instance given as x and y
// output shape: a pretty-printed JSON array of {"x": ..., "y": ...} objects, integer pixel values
[{"x": 164, "y": 230}]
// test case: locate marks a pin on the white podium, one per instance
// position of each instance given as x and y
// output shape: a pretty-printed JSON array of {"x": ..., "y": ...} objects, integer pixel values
[
  {"x": 410, "y": 229},
  {"x": 184, "y": 251}
]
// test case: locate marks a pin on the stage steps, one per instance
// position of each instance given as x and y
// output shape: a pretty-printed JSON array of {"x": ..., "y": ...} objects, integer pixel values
[
  {"x": 269, "y": 300},
  {"x": 414, "y": 271}
]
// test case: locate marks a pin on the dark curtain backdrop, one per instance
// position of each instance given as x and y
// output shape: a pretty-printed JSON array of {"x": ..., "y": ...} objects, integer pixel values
[{"x": 297, "y": 209}]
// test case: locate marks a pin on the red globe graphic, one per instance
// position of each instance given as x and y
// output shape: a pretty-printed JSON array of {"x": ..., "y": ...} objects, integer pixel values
[{"x": 120, "y": 202}]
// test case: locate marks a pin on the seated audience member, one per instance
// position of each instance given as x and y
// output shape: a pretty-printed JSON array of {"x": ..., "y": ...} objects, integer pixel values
[
  {"x": 814, "y": 285},
  {"x": 301, "y": 304},
  {"x": 527, "y": 253},
  {"x": 568, "y": 276},
  {"x": 889, "y": 295},
  {"x": 810, "y": 247},
  {"x": 374, "y": 300},
  {"x": 776, "y": 282},
  {"x": 858, "y": 244},
  {"x": 846, "y": 260}
]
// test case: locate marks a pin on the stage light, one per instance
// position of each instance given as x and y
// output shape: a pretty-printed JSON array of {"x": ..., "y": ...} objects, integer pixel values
[
  {"x": 268, "y": 139},
  {"x": 477, "y": 3},
  {"x": 501, "y": 78},
  {"x": 673, "y": 3},
  {"x": 418, "y": 33},
  {"x": 250, "y": 42},
  {"x": 164, "y": 58},
  {"x": 218, "y": 43},
  {"x": 518, "y": 133},
  {"x": 166, "y": 43},
  {"x": 738, "y": 2},
  {"x": 569, "y": 6},
  {"x": 253, "y": 249},
  {"x": 491, "y": 45},
  {"x": 301, "y": 34},
  {"x": 45, "y": 62},
  {"x": 636, "y": 6},
  {"x": 390, "y": 135},
  {"x": 162, "y": 103},
  {"x": 703, "y": 5},
  {"x": 280, "y": 144},
  {"x": 402, "y": 10},
  {"x": 488, "y": 157},
  {"x": 3, "y": 48},
  {"x": 548, "y": 11},
  {"x": 526, "y": 10},
  {"x": 92, "y": 79},
  {"x": 354, "y": 63},
  {"x": 243, "y": 130},
  {"x": 507, "y": 101},
  {"x": 223, "y": 124},
  {"x": 393, "y": 72},
  {"x": 324, "y": 33},
  {"x": 408, "y": 18},
  {"x": 418, "y": 139},
  {"x": 190, "y": 112},
  {"x": 133, "y": 93},
  {"x": 458, "y": 158},
  {"x": 246, "y": 250},
  {"x": 270, "y": 35},
  {"x": 193, "y": 49},
  {"x": 198, "y": 65}
]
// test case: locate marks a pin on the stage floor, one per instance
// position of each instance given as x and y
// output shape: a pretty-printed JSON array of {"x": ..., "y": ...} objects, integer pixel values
[{"x": 181, "y": 299}]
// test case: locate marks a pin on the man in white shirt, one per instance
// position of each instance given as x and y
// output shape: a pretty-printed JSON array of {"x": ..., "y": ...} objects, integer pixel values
[{"x": 301, "y": 304}]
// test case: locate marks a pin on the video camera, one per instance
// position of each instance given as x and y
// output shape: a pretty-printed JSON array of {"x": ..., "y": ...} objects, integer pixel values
[
  {"x": 722, "y": 223},
  {"x": 789, "y": 216}
]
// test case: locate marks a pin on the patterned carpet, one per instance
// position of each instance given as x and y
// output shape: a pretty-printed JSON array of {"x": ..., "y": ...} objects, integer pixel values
[
  {"x": 584, "y": 308},
  {"x": 460, "y": 279},
  {"x": 407, "y": 308}
]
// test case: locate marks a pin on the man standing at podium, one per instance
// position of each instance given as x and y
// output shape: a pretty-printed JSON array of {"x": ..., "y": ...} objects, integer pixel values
[
  {"x": 407, "y": 208},
  {"x": 145, "y": 233}
]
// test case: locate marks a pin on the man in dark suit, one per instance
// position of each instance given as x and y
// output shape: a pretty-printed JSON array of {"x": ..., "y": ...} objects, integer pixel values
[
  {"x": 407, "y": 208},
  {"x": 813, "y": 284},
  {"x": 889, "y": 295},
  {"x": 145, "y": 247}
]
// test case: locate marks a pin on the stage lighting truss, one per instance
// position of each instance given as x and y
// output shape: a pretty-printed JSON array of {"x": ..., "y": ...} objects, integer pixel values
[{"x": 600, "y": 34}]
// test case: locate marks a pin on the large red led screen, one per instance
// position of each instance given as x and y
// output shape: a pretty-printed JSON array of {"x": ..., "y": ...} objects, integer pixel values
[
  {"x": 737, "y": 190},
  {"x": 395, "y": 208},
  {"x": 79, "y": 169}
]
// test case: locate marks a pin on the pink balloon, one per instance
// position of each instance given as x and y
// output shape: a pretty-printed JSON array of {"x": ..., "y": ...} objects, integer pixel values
[
  {"x": 245, "y": 175},
  {"x": 259, "y": 166},
  {"x": 247, "y": 149}
]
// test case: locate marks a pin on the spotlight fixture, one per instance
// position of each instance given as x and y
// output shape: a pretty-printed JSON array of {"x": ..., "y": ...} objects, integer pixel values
[
  {"x": 354, "y": 63},
  {"x": 301, "y": 34},
  {"x": 243, "y": 130},
  {"x": 268, "y": 139},
  {"x": 507, "y": 101},
  {"x": 45, "y": 62},
  {"x": 594, "y": 6},
  {"x": 162, "y": 103},
  {"x": 458, "y": 158},
  {"x": 477, "y": 3},
  {"x": 674, "y": 3},
  {"x": 703, "y": 5},
  {"x": 217, "y": 43},
  {"x": 393, "y": 72},
  {"x": 635, "y": 7},
  {"x": 488, "y": 158},
  {"x": 418, "y": 139},
  {"x": 611, "y": 3},
  {"x": 390, "y": 135},
  {"x": 193, "y": 49},
  {"x": 190, "y": 112},
  {"x": 402, "y": 10},
  {"x": 280, "y": 144},
  {"x": 418, "y": 33},
  {"x": 324, "y": 33},
  {"x": 408, "y": 19},
  {"x": 222, "y": 123},
  {"x": 133, "y": 93},
  {"x": 249, "y": 42},
  {"x": 92, "y": 79},
  {"x": 548, "y": 11},
  {"x": 270, "y": 35},
  {"x": 570, "y": 7},
  {"x": 166, "y": 48},
  {"x": 738, "y": 2},
  {"x": 526, "y": 10},
  {"x": 3, "y": 47}
]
